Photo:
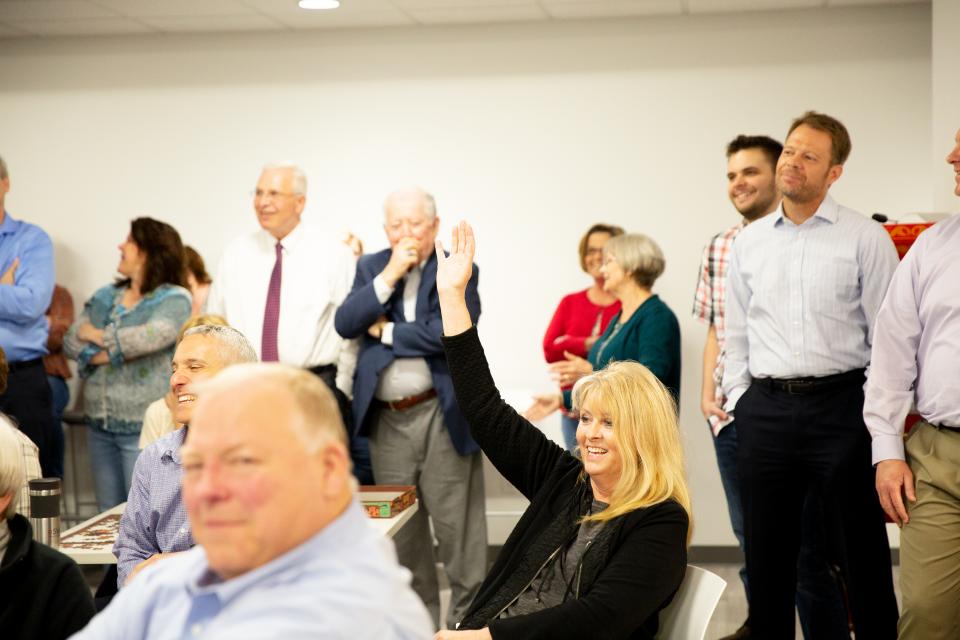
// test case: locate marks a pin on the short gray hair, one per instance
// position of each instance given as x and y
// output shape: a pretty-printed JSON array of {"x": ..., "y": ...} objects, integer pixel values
[
  {"x": 639, "y": 255},
  {"x": 3, "y": 169},
  {"x": 427, "y": 202},
  {"x": 233, "y": 347},
  {"x": 314, "y": 401},
  {"x": 299, "y": 177},
  {"x": 11, "y": 467}
]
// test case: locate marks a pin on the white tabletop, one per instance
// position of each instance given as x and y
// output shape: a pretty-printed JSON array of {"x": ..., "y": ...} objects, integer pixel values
[{"x": 91, "y": 542}]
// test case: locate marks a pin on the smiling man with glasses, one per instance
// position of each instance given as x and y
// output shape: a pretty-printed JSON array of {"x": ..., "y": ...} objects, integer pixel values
[{"x": 281, "y": 285}]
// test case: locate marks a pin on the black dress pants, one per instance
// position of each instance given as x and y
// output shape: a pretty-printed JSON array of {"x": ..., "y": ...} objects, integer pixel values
[
  {"x": 29, "y": 401},
  {"x": 792, "y": 444}
]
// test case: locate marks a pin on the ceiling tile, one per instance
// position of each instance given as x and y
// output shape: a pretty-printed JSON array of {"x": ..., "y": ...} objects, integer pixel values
[
  {"x": 83, "y": 27},
  {"x": 448, "y": 4},
  {"x": 51, "y": 10},
  {"x": 187, "y": 24},
  {"x": 611, "y": 8},
  {"x": 448, "y": 15},
  {"x": 714, "y": 6},
  {"x": 290, "y": 9},
  {"x": 330, "y": 19},
  {"x": 860, "y": 3},
  {"x": 7, "y": 31},
  {"x": 155, "y": 8}
]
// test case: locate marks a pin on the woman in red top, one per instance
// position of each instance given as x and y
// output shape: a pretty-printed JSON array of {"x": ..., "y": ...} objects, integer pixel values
[{"x": 583, "y": 316}]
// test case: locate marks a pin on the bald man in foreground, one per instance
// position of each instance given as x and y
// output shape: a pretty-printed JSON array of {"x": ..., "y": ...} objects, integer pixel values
[{"x": 283, "y": 547}]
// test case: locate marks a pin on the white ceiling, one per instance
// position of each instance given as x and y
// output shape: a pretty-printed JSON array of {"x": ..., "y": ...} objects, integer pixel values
[{"x": 26, "y": 18}]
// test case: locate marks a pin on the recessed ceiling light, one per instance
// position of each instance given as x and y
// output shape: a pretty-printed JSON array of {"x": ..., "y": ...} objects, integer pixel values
[{"x": 319, "y": 4}]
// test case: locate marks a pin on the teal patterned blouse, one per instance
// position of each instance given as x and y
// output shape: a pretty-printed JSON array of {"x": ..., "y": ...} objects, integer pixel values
[{"x": 139, "y": 342}]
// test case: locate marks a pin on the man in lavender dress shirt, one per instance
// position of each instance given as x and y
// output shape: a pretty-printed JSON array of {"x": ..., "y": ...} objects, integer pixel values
[
  {"x": 916, "y": 348},
  {"x": 154, "y": 523}
]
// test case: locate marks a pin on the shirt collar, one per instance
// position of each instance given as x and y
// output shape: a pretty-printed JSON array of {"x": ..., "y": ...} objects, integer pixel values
[
  {"x": 348, "y": 526},
  {"x": 9, "y": 224},
  {"x": 172, "y": 452},
  {"x": 289, "y": 242},
  {"x": 827, "y": 211}
]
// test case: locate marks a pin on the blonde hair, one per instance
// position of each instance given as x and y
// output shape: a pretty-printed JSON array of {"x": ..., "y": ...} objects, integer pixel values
[{"x": 645, "y": 428}]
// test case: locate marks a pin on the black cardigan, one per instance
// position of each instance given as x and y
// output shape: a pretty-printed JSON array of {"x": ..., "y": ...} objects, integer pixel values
[
  {"x": 42, "y": 592},
  {"x": 626, "y": 578}
]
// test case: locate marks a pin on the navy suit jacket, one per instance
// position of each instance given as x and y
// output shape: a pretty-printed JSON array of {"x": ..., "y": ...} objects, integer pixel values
[{"x": 417, "y": 339}]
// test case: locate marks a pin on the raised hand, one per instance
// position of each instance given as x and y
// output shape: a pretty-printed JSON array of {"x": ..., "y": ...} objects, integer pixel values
[
  {"x": 453, "y": 274},
  {"x": 454, "y": 271}
]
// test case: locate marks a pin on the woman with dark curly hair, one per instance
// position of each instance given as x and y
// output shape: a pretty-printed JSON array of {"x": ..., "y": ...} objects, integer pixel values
[{"x": 123, "y": 342}]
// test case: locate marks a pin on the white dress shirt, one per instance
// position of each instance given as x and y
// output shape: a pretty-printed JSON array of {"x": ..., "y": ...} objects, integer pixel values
[
  {"x": 916, "y": 348},
  {"x": 802, "y": 299},
  {"x": 318, "y": 272},
  {"x": 404, "y": 377}
]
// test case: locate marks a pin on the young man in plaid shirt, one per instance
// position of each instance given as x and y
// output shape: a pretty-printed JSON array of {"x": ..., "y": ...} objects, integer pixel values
[{"x": 751, "y": 164}]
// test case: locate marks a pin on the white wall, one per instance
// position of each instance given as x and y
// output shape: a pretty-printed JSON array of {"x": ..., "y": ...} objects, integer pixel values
[
  {"x": 946, "y": 98},
  {"x": 532, "y": 132}
]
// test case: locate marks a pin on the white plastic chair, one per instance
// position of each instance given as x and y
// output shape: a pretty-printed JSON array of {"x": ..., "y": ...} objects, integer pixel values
[{"x": 692, "y": 607}]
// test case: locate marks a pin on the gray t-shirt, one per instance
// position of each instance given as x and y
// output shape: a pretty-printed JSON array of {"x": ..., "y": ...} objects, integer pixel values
[{"x": 556, "y": 582}]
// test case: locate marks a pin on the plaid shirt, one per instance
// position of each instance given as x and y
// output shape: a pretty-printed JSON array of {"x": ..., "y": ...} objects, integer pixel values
[
  {"x": 31, "y": 468},
  {"x": 709, "y": 303}
]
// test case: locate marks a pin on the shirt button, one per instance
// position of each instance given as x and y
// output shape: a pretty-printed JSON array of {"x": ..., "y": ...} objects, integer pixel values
[
  {"x": 183, "y": 529},
  {"x": 196, "y": 629}
]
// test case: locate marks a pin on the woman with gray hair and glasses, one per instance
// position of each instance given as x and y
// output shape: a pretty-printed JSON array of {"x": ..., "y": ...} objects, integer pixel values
[
  {"x": 42, "y": 592},
  {"x": 645, "y": 330}
]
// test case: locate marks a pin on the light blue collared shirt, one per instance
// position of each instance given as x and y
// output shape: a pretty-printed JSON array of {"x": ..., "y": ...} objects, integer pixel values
[
  {"x": 344, "y": 582},
  {"x": 155, "y": 520},
  {"x": 23, "y": 325},
  {"x": 916, "y": 348},
  {"x": 802, "y": 299}
]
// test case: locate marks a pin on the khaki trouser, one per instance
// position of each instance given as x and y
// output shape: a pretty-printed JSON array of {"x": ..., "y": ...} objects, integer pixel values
[{"x": 930, "y": 542}]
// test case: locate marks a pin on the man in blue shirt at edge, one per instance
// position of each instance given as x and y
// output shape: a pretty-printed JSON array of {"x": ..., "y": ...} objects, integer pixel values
[
  {"x": 26, "y": 286},
  {"x": 154, "y": 524},
  {"x": 284, "y": 549}
]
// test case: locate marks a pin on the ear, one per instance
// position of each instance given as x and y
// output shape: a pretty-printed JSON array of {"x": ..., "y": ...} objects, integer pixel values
[
  {"x": 4, "y": 502},
  {"x": 334, "y": 469},
  {"x": 301, "y": 202},
  {"x": 834, "y": 173}
]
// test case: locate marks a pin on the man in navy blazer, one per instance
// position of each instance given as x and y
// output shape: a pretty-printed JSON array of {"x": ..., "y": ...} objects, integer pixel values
[{"x": 404, "y": 400}]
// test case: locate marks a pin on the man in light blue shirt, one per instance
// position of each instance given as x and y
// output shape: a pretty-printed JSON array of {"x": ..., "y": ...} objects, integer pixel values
[
  {"x": 26, "y": 286},
  {"x": 155, "y": 520},
  {"x": 284, "y": 548},
  {"x": 805, "y": 284}
]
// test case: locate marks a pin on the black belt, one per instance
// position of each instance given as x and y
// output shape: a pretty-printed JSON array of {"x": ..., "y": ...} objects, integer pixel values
[
  {"x": 811, "y": 385},
  {"x": 25, "y": 364}
]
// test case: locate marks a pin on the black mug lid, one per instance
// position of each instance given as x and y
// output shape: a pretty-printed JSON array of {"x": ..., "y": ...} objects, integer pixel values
[{"x": 48, "y": 484}]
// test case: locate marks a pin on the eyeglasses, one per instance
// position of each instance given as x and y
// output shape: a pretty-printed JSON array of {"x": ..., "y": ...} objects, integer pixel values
[{"x": 260, "y": 194}]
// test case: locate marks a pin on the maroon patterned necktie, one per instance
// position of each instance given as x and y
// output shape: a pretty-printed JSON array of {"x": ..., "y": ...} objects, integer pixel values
[{"x": 271, "y": 314}]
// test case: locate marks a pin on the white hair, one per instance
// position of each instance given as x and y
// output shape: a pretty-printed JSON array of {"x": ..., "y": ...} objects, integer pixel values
[
  {"x": 299, "y": 177},
  {"x": 426, "y": 201},
  {"x": 11, "y": 467},
  {"x": 234, "y": 348}
]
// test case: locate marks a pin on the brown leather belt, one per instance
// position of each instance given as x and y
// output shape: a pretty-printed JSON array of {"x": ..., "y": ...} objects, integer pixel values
[{"x": 406, "y": 403}]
